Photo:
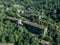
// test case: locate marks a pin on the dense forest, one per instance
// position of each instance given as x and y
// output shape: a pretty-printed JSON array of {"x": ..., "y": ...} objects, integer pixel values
[{"x": 47, "y": 13}]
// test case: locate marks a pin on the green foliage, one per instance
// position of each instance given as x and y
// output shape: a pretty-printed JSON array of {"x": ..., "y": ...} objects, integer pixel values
[{"x": 10, "y": 31}]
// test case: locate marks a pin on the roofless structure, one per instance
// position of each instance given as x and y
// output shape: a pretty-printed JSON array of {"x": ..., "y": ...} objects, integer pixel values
[
  {"x": 26, "y": 22},
  {"x": 21, "y": 22},
  {"x": 29, "y": 23},
  {"x": 34, "y": 24}
]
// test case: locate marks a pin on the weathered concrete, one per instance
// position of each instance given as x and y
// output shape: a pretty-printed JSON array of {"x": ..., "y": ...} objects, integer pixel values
[
  {"x": 43, "y": 42},
  {"x": 6, "y": 44},
  {"x": 31, "y": 23},
  {"x": 34, "y": 24}
]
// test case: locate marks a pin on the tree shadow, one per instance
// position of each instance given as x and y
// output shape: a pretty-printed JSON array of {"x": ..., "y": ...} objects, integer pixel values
[{"x": 33, "y": 29}]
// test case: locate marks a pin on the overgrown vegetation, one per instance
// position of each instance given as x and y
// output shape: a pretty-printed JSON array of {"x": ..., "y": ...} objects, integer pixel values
[{"x": 11, "y": 32}]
